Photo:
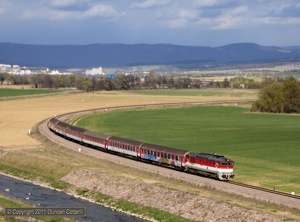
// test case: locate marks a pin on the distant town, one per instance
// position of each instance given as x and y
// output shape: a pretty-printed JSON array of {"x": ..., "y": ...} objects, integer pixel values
[
  {"x": 248, "y": 76},
  {"x": 18, "y": 70}
]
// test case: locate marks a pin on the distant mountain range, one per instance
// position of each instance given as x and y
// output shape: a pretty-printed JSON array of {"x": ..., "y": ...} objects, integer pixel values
[{"x": 110, "y": 55}]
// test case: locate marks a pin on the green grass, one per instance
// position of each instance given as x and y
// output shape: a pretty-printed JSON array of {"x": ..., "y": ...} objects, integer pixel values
[
  {"x": 5, "y": 92},
  {"x": 265, "y": 147},
  {"x": 193, "y": 92}
]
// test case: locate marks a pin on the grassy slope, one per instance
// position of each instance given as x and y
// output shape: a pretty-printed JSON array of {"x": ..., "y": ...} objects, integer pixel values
[{"x": 264, "y": 146}]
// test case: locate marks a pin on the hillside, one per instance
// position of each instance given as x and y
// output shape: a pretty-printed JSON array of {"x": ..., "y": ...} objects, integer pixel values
[{"x": 109, "y": 55}]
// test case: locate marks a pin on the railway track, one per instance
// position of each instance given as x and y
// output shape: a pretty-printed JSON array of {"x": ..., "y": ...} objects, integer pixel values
[
  {"x": 280, "y": 193},
  {"x": 290, "y": 200}
]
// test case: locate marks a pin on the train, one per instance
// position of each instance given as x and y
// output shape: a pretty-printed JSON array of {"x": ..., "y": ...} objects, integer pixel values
[{"x": 206, "y": 164}]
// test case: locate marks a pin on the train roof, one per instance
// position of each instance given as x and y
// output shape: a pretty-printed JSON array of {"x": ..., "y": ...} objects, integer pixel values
[
  {"x": 164, "y": 149},
  {"x": 209, "y": 156},
  {"x": 63, "y": 124},
  {"x": 127, "y": 141},
  {"x": 96, "y": 134},
  {"x": 54, "y": 120},
  {"x": 75, "y": 128}
]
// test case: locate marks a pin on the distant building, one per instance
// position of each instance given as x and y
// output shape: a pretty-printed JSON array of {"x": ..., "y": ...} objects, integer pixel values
[{"x": 94, "y": 71}]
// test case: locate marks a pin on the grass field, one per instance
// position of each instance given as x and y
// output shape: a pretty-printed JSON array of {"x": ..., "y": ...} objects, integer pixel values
[
  {"x": 9, "y": 92},
  {"x": 264, "y": 146}
]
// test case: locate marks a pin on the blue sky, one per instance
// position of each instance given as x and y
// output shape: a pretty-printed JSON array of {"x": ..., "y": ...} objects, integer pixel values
[{"x": 181, "y": 22}]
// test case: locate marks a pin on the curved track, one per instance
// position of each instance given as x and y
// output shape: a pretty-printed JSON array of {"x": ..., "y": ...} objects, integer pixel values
[
  {"x": 258, "y": 193},
  {"x": 289, "y": 195}
]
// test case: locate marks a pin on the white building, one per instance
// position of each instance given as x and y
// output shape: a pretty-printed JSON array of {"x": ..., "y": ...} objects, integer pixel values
[{"x": 94, "y": 71}]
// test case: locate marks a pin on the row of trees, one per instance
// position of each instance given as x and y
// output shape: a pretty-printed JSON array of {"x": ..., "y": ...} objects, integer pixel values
[
  {"x": 279, "y": 96},
  {"x": 275, "y": 95},
  {"x": 123, "y": 82}
]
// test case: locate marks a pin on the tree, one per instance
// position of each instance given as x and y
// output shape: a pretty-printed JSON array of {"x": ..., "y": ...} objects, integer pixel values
[
  {"x": 271, "y": 98},
  {"x": 151, "y": 81},
  {"x": 291, "y": 93},
  {"x": 279, "y": 96},
  {"x": 2, "y": 78},
  {"x": 226, "y": 83},
  {"x": 121, "y": 82}
]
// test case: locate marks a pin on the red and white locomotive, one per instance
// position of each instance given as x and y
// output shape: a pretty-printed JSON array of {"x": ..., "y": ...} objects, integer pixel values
[{"x": 201, "y": 163}]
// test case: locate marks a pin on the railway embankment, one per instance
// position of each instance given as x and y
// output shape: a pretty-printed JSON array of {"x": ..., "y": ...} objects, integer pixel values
[{"x": 184, "y": 204}]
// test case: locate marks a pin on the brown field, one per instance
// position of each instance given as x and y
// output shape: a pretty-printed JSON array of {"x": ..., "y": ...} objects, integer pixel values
[{"x": 33, "y": 158}]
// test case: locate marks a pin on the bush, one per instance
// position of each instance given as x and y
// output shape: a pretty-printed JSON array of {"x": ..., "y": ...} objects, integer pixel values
[{"x": 279, "y": 97}]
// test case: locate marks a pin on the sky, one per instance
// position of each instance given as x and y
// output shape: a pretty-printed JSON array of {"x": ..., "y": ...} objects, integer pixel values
[{"x": 182, "y": 22}]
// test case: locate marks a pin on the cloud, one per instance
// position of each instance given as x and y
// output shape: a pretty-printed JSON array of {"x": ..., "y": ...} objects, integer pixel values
[
  {"x": 4, "y": 6},
  {"x": 98, "y": 10},
  {"x": 150, "y": 4},
  {"x": 210, "y": 3},
  {"x": 183, "y": 17},
  {"x": 268, "y": 20},
  {"x": 64, "y": 3},
  {"x": 101, "y": 10},
  {"x": 287, "y": 10}
]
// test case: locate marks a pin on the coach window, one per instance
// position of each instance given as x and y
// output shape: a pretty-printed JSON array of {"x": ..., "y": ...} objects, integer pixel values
[
  {"x": 173, "y": 157},
  {"x": 165, "y": 155},
  {"x": 168, "y": 156},
  {"x": 176, "y": 158},
  {"x": 155, "y": 153},
  {"x": 151, "y": 152}
]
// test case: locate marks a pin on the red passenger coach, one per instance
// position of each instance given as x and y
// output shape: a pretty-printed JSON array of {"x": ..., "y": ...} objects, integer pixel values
[
  {"x": 162, "y": 154},
  {"x": 52, "y": 124},
  {"x": 61, "y": 127},
  {"x": 95, "y": 139},
  {"x": 123, "y": 146},
  {"x": 75, "y": 133}
]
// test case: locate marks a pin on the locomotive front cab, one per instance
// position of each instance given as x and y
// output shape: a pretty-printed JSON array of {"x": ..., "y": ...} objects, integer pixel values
[{"x": 225, "y": 169}]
